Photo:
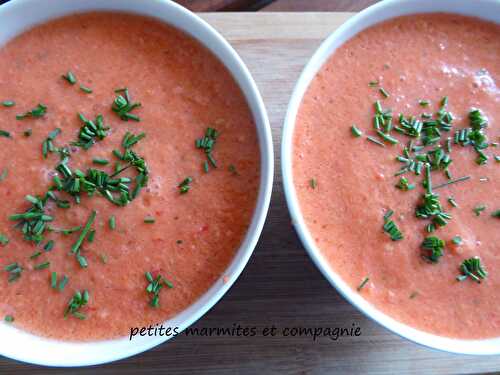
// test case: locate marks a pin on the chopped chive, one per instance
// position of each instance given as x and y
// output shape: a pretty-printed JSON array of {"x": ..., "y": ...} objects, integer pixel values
[
  {"x": 84, "y": 232},
  {"x": 91, "y": 236},
  {"x": 4, "y": 133},
  {"x": 413, "y": 295},
  {"x": 154, "y": 287},
  {"x": 472, "y": 268},
  {"x": 49, "y": 245},
  {"x": 9, "y": 318},
  {"x": 8, "y": 103},
  {"x": 70, "y": 77},
  {"x": 184, "y": 186},
  {"x": 391, "y": 228},
  {"x": 53, "y": 279},
  {"x": 363, "y": 283},
  {"x": 384, "y": 93},
  {"x": 42, "y": 266},
  {"x": 497, "y": 158},
  {"x": 3, "y": 239},
  {"x": 39, "y": 111},
  {"x": 76, "y": 302},
  {"x": 149, "y": 220},
  {"x": 404, "y": 184},
  {"x": 100, "y": 161},
  {"x": 122, "y": 105},
  {"x": 496, "y": 214},
  {"x": 424, "y": 103},
  {"x": 433, "y": 249},
  {"x": 82, "y": 261},
  {"x": 63, "y": 282},
  {"x": 457, "y": 240},
  {"x": 205, "y": 166},
  {"x": 313, "y": 183},
  {"x": 373, "y": 83},
  {"x": 35, "y": 255},
  {"x": 376, "y": 141},
  {"x": 112, "y": 222},
  {"x": 86, "y": 89},
  {"x": 355, "y": 131},
  {"x": 478, "y": 209},
  {"x": 452, "y": 201},
  {"x": 465, "y": 178},
  {"x": 4, "y": 174},
  {"x": 387, "y": 137}
]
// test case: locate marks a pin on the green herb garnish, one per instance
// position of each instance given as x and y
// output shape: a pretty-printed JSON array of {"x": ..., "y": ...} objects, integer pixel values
[
  {"x": 70, "y": 77},
  {"x": 14, "y": 270},
  {"x": 473, "y": 269},
  {"x": 42, "y": 266},
  {"x": 91, "y": 131},
  {"x": 122, "y": 105},
  {"x": 85, "y": 89},
  {"x": 5, "y": 134},
  {"x": 207, "y": 144},
  {"x": 33, "y": 222},
  {"x": 384, "y": 93},
  {"x": 39, "y": 111},
  {"x": 47, "y": 145},
  {"x": 112, "y": 222},
  {"x": 76, "y": 302},
  {"x": 154, "y": 287},
  {"x": 355, "y": 131},
  {"x": 100, "y": 161},
  {"x": 404, "y": 184},
  {"x": 391, "y": 228},
  {"x": 313, "y": 183},
  {"x": 433, "y": 249},
  {"x": 76, "y": 246},
  {"x": 363, "y": 283},
  {"x": 149, "y": 220},
  {"x": 8, "y": 103},
  {"x": 9, "y": 318},
  {"x": 478, "y": 209},
  {"x": 3, "y": 239},
  {"x": 184, "y": 186},
  {"x": 457, "y": 240},
  {"x": 53, "y": 280},
  {"x": 63, "y": 282},
  {"x": 3, "y": 174}
]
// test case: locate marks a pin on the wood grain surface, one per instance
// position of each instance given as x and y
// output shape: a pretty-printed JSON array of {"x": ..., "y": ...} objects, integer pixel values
[
  {"x": 280, "y": 285},
  {"x": 317, "y": 5}
]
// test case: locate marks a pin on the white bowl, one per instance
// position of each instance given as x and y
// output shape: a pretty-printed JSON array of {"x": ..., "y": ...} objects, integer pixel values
[
  {"x": 19, "y": 15},
  {"x": 485, "y": 9}
]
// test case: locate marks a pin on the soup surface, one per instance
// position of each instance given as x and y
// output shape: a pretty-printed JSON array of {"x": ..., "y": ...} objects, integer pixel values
[
  {"x": 184, "y": 232},
  {"x": 346, "y": 182}
]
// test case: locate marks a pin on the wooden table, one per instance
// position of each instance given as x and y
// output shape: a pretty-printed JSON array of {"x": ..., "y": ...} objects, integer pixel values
[{"x": 280, "y": 285}]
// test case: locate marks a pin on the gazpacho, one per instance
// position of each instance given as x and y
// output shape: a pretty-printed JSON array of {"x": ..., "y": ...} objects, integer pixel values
[
  {"x": 129, "y": 166},
  {"x": 396, "y": 163}
]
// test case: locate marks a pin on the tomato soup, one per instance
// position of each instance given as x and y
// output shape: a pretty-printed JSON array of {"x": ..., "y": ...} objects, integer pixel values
[
  {"x": 396, "y": 167},
  {"x": 141, "y": 161}
]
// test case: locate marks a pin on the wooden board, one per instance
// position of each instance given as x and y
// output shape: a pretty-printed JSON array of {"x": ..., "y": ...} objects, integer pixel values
[{"x": 280, "y": 285}]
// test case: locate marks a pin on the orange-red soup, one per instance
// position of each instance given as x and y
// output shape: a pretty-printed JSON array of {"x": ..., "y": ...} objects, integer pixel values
[
  {"x": 183, "y": 89},
  {"x": 422, "y": 57}
]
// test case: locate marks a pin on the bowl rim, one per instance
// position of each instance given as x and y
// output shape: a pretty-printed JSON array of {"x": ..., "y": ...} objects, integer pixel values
[
  {"x": 370, "y": 16},
  {"x": 29, "y": 348}
]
